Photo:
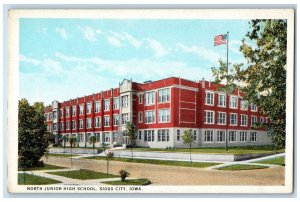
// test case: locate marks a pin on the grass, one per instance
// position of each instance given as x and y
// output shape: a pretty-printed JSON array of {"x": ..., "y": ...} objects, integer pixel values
[
  {"x": 141, "y": 181},
  {"x": 45, "y": 167},
  {"x": 242, "y": 167},
  {"x": 83, "y": 174},
  {"x": 34, "y": 180},
  {"x": 159, "y": 162},
  {"x": 61, "y": 155},
  {"x": 275, "y": 161},
  {"x": 218, "y": 150}
]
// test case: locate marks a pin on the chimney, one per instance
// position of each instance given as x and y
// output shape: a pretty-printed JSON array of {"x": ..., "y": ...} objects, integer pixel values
[
  {"x": 203, "y": 83},
  {"x": 209, "y": 84}
]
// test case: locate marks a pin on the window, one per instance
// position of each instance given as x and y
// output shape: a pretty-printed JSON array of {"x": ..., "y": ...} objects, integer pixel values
[
  {"x": 116, "y": 120},
  {"x": 232, "y": 136},
  {"x": 80, "y": 109},
  {"x": 149, "y": 135},
  {"x": 88, "y": 108},
  {"x": 106, "y": 105},
  {"x": 50, "y": 116},
  {"x": 178, "y": 135},
  {"x": 55, "y": 127},
  {"x": 54, "y": 115},
  {"x": 195, "y": 135},
  {"x": 140, "y": 99},
  {"x": 221, "y": 118},
  {"x": 233, "y": 119},
  {"x": 208, "y": 136},
  {"x": 253, "y": 120},
  {"x": 61, "y": 126},
  {"x": 164, "y": 115},
  {"x": 67, "y": 112},
  {"x": 125, "y": 118},
  {"x": 209, "y": 117},
  {"x": 140, "y": 117},
  {"x": 244, "y": 120},
  {"x": 114, "y": 137},
  {"x": 140, "y": 134},
  {"x": 233, "y": 102},
  {"x": 244, "y": 105},
  {"x": 243, "y": 136},
  {"x": 88, "y": 123},
  {"x": 116, "y": 103},
  {"x": 222, "y": 100},
  {"x": 106, "y": 137},
  {"x": 46, "y": 116},
  {"x": 80, "y": 123},
  {"x": 68, "y": 125},
  {"x": 163, "y": 135},
  {"x": 61, "y": 113},
  {"x": 80, "y": 137},
  {"x": 253, "y": 107},
  {"x": 149, "y": 98},
  {"x": 73, "y": 124},
  {"x": 74, "y": 111},
  {"x": 97, "y": 122},
  {"x": 220, "y": 136},
  {"x": 97, "y": 106},
  {"x": 164, "y": 95},
  {"x": 209, "y": 98},
  {"x": 149, "y": 117},
  {"x": 253, "y": 137},
  {"x": 106, "y": 121},
  {"x": 125, "y": 101}
]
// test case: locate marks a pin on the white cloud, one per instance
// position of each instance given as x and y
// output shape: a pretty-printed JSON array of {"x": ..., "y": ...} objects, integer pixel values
[
  {"x": 159, "y": 50},
  {"x": 113, "y": 41},
  {"x": 23, "y": 58},
  {"x": 89, "y": 33},
  {"x": 62, "y": 32},
  {"x": 234, "y": 46},
  {"x": 133, "y": 41},
  {"x": 125, "y": 37}
]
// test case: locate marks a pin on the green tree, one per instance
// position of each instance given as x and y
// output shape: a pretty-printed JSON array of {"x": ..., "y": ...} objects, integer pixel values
[
  {"x": 92, "y": 140},
  {"x": 131, "y": 132},
  {"x": 72, "y": 141},
  {"x": 263, "y": 78},
  {"x": 109, "y": 157},
  {"x": 188, "y": 138},
  {"x": 65, "y": 140},
  {"x": 33, "y": 139}
]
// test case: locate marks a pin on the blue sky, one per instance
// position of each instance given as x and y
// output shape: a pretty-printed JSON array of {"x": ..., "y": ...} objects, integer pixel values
[{"x": 67, "y": 58}]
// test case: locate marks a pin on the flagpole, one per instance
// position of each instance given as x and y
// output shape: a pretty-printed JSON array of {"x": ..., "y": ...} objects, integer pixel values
[{"x": 227, "y": 122}]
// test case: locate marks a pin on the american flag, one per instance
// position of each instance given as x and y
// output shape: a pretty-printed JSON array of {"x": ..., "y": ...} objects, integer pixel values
[{"x": 220, "y": 39}]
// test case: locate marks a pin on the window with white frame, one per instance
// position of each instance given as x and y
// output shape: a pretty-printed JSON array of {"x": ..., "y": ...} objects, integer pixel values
[
  {"x": 232, "y": 136},
  {"x": 68, "y": 125},
  {"x": 80, "y": 137},
  {"x": 253, "y": 120},
  {"x": 149, "y": 135},
  {"x": 163, "y": 115},
  {"x": 116, "y": 103},
  {"x": 140, "y": 117},
  {"x": 243, "y": 136},
  {"x": 116, "y": 119},
  {"x": 80, "y": 123},
  {"x": 140, "y": 98},
  {"x": 124, "y": 100},
  {"x": 125, "y": 118},
  {"x": 262, "y": 119},
  {"x": 106, "y": 121},
  {"x": 73, "y": 124},
  {"x": 233, "y": 102},
  {"x": 244, "y": 105},
  {"x": 80, "y": 109},
  {"x": 149, "y": 98},
  {"x": 140, "y": 135},
  {"x": 149, "y": 116},
  {"x": 178, "y": 135},
  {"x": 209, "y": 98},
  {"x": 233, "y": 119},
  {"x": 88, "y": 108},
  {"x": 253, "y": 137},
  {"x": 74, "y": 111},
  {"x": 195, "y": 135},
  {"x": 67, "y": 112},
  {"x": 222, "y": 100},
  {"x": 54, "y": 115},
  {"x": 106, "y": 105},
  {"x": 61, "y": 126},
  {"x": 163, "y": 135},
  {"x": 88, "y": 123},
  {"x": 50, "y": 116},
  {"x": 97, "y": 122},
  {"x": 114, "y": 135},
  {"x": 164, "y": 95},
  {"x": 253, "y": 107},
  {"x": 220, "y": 136},
  {"x": 208, "y": 136},
  {"x": 221, "y": 118},
  {"x": 209, "y": 117},
  {"x": 106, "y": 137},
  {"x": 61, "y": 113},
  {"x": 244, "y": 120},
  {"x": 54, "y": 126},
  {"x": 97, "y": 106},
  {"x": 97, "y": 137}
]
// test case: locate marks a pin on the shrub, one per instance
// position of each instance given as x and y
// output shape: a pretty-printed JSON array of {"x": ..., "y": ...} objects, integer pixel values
[
  {"x": 99, "y": 150},
  {"x": 124, "y": 174}
]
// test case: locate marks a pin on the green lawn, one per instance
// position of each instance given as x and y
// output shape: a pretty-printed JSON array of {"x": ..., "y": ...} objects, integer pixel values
[
  {"x": 159, "y": 162},
  {"x": 45, "y": 167},
  {"x": 34, "y": 180},
  {"x": 276, "y": 161},
  {"x": 242, "y": 167},
  {"x": 218, "y": 150},
  {"x": 83, "y": 174},
  {"x": 141, "y": 181},
  {"x": 62, "y": 155}
]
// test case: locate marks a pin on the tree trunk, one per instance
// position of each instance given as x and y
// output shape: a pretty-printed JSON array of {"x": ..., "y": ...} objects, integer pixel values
[{"x": 190, "y": 152}]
